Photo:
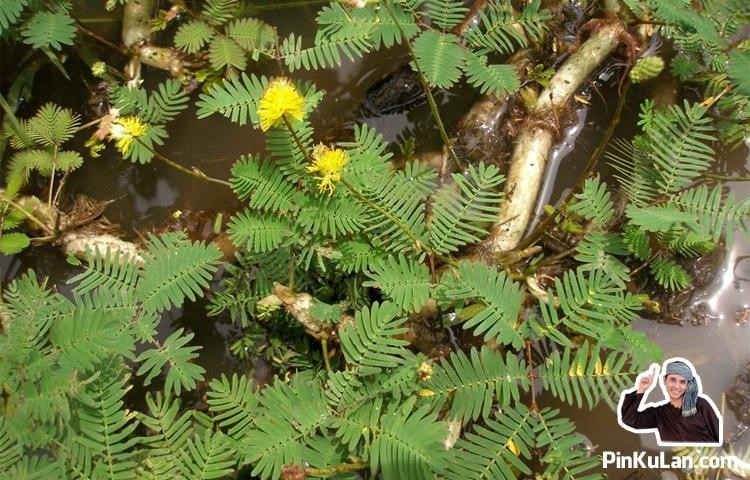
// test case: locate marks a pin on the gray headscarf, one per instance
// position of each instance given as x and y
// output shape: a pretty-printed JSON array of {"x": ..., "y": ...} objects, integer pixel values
[{"x": 690, "y": 399}]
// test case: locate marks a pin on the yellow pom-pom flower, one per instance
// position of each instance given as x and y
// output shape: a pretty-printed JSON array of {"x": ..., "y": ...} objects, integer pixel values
[
  {"x": 328, "y": 162},
  {"x": 124, "y": 130},
  {"x": 279, "y": 99}
]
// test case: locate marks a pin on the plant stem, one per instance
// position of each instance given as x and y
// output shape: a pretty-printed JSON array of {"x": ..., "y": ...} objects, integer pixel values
[
  {"x": 297, "y": 140},
  {"x": 89, "y": 124},
  {"x": 99, "y": 38},
  {"x": 282, "y": 5},
  {"x": 28, "y": 214},
  {"x": 346, "y": 467},
  {"x": 324, "y": 346},
  {"x": 739, "y": 178},
  {"x": 389, "y": 215},
  {"x": 52, "y": 176},
  {"x": 533, "y": 406},
  {"x": 190, "y": 171},
  {"x": 425, "y": 86}
]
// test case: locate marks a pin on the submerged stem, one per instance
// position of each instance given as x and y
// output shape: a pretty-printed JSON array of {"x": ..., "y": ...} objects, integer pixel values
[{"x": 426, "y": 87}]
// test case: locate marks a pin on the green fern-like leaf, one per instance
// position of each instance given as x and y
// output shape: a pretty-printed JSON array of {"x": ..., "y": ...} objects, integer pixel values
[
  {"x": 288, "y": 414},
  {"x": 409, "y": 445},
  {"x": 711, "y": 217},
  {"x": 193, "y": 36},
  {"x": 369, "y": 342},
  {"x": 27, "y": 161},
  {"x": 561, "y": 458},
  {"x": 218, "y": 12},
  {"x": 161, "y": 105},
  {"x": 257, "y": 233},
  {"x": 11, "y": 450},
  {"x": 52, "y": 125},
  {"x": 263, "y": 183},
  {"x": 142, "y": 149},
  {"x": 441, "y": 57},
  {"x": 687, "y": 243},
  {"x": 597, "y": 250},
  {"x": 10, "y": 12},
  {"x": 285, "y": 151},
  {"x": 105, "y": 426},
  {"x": 455, "y": 213},
  {"x": 87, "y": 336},
  {"x": 498, "y": 80},
  {"x": 182, "y": 372},
  {"x": 170, "y": 431},
  {"x": 385, "y": 31},
  {"x": 446, "y": 13},
  {"x": 502, "y": 297},
  {"x": 47, "y": 29},
  {"x": 224, "y": 52},
  {"x": 253, "y": 36},
  {"x": 233, "y": 404},
  {"x": 37, "y": 467},
  {"x": 677, "y": 145},
  {"x": 326, "y": 53},
  {"x": 332, "y": 216},
  {"x": 236, "y": 98},
  {"x": 594, "y": 202},
  {"x": 402, "y": 196},
  {"x": 660, "y": 218},
  {"x": 590, "y": 305},
  {"x": 633, "y": 169},
  {"x": 739, "y": 64},
  {"x": 13, "y": 242},
  {"x": 175, "y": 269},
  {"x": 207, "y": 457},
  {"x": 637, "y": 242},
  {"x": 573, "y": 377},
  {"x": 477, "y": 382},
  {"x": 669, "y": 275},
  {"x": 368, "y": 156},
  {"x": 360, "y": 423},
  {"x": 405, "y": 282},
  {"x": 498, "y": 30},
  {"x": 486, "y": 452},
  {"x": 116, "y": 273},
  {"x": 359, "y": 256}
]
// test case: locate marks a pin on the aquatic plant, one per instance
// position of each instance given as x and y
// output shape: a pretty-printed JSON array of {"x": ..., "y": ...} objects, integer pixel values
[{"x": 339, "y": 249}]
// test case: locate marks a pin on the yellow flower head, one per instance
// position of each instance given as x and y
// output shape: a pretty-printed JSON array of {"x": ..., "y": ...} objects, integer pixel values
[
  {"x": 279, "y": 99},
  {"x": 124, "y": 130},
  {"x": 328, "y": 162}
]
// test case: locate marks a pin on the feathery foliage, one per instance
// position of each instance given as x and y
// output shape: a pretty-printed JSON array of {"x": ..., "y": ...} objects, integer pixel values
[
  {"x": 369, "y": 344},
  {"x": 477, "y": 382},
  {"x": 500, "y": 295},
  {"x": 47, "y": 29}
]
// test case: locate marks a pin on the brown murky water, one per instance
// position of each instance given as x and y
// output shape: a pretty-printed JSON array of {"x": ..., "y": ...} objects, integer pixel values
[{"x": 710, "y": 337}]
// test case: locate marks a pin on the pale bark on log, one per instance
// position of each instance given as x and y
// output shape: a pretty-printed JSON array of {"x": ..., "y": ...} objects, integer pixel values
[
  {"x": 136, "y": 36},
  {"x": 136, "y": 28},
  {"x": 535, "y": 141}
]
